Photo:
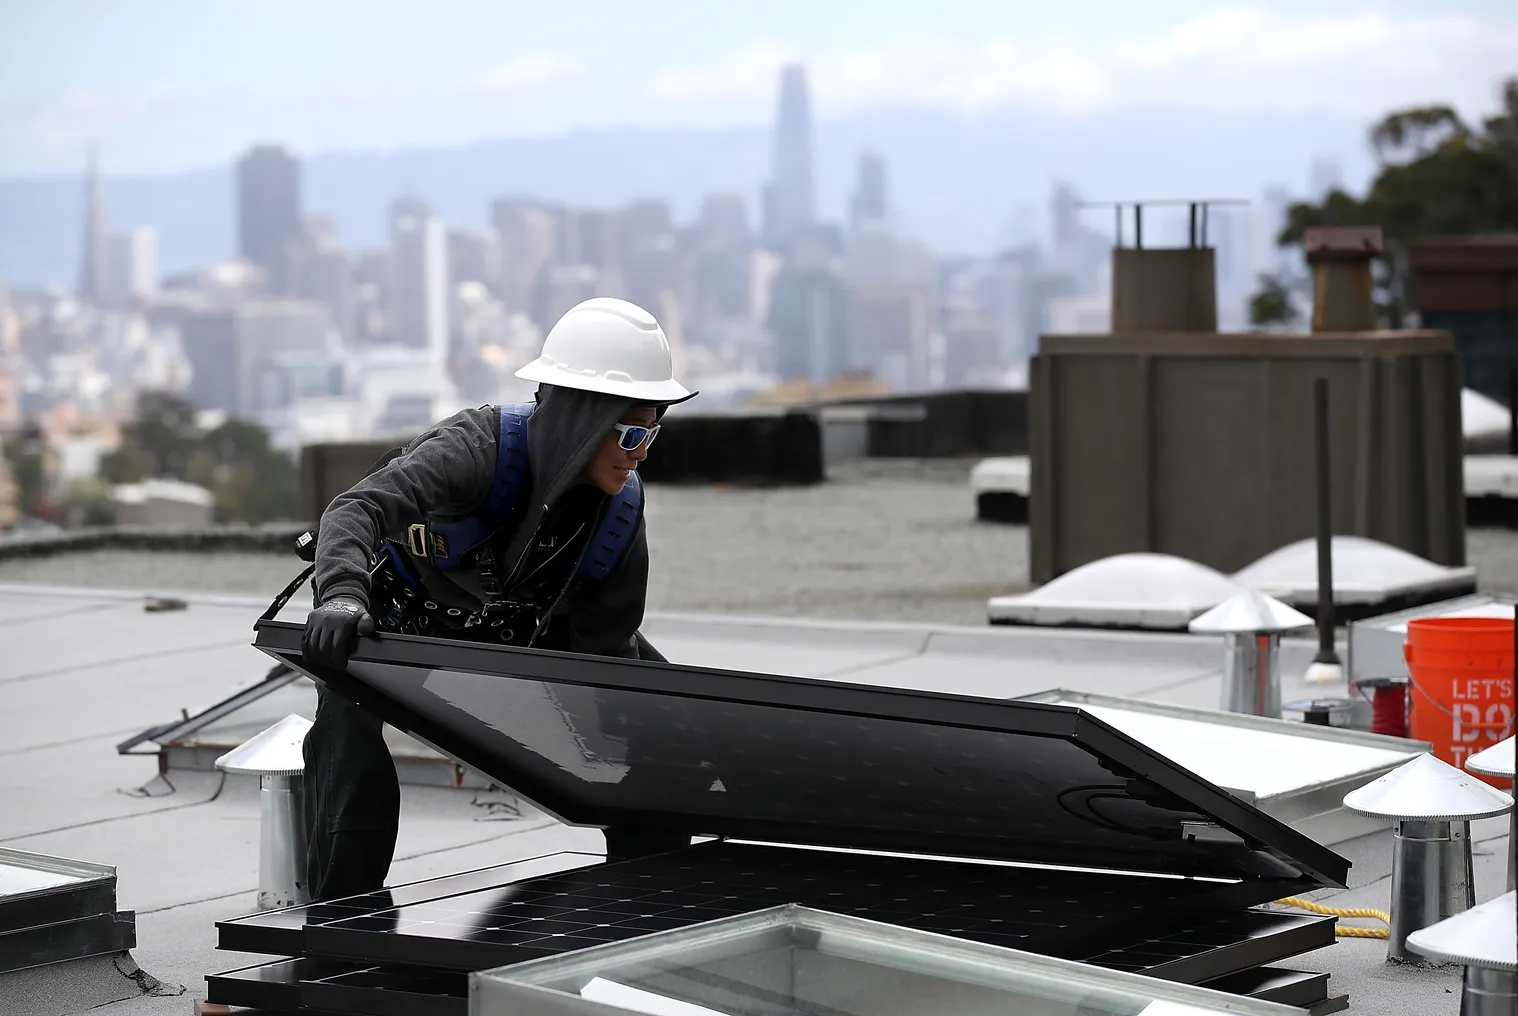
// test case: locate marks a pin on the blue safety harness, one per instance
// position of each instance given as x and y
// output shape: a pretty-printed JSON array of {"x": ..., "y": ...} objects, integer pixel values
[{"x": 449, "y": 544}]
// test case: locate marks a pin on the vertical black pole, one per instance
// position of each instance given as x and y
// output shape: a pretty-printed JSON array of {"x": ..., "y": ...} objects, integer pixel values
[
  {"x": 1326, "y": 653},
  {"x": 1138, "y": 227}
]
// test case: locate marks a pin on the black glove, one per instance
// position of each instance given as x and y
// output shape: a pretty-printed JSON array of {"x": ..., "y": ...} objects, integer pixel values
[{"x": 330, "y": 631}]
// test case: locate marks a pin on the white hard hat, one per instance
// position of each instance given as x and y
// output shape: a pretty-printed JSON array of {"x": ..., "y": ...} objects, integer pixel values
[{"x": 609, "y": 346}]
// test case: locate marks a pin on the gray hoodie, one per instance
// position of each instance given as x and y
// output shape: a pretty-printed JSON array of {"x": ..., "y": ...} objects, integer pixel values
[{"x": 447, "y": 472}]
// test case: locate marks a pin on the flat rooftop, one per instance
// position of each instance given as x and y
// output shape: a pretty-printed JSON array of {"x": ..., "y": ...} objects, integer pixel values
[
  {"x": 880, "y": 577},
  {"x": 883, "y": 540}
]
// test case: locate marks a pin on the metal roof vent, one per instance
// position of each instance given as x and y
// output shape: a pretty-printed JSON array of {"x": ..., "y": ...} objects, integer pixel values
[
  {"x": 1430, "y": 789},
  {"x": 1251, "y": 624},
  {"x": 1432, "y": 804},
  {"x": 1158, "y": 591},
  {"x": 1250, "y": 612},
  {"x": 276, "y": 757},
  {"x": 1498, "y": 761},
  {"x": 276, "y": 751},
  {"x": 1485, "y": 940},
  {"x": 1365, "y": 573}
]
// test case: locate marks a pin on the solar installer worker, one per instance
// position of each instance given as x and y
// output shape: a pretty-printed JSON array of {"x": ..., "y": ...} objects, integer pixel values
[{"x": 453, "y": 538}]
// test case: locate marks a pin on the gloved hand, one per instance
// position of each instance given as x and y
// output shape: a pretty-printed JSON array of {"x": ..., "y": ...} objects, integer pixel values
[{"x": 330, "y": 631}]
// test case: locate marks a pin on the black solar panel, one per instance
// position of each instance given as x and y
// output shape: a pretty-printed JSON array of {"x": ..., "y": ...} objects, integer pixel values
[
  {"x": 603, "y": 742},
  {"x": 1067, "y": 913},
  {"x": 1215, "y": 948},
  {"x": 280, "y": 932}
]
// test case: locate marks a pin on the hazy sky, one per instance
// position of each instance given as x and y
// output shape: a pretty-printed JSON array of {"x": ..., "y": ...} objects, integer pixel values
[{"x": 174, "y": 84}]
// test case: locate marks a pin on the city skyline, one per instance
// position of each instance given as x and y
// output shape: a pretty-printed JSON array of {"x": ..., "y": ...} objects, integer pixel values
[{"x": 162, "y": 91}]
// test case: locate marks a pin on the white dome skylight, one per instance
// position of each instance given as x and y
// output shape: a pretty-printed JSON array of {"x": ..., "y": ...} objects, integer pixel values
[
  {"x": 1126, "y": 591},
  {"x": 1364, "y": 572}
]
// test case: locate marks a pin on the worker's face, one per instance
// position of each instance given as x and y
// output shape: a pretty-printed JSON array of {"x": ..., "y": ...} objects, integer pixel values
[{"x": 613, "y": 464}]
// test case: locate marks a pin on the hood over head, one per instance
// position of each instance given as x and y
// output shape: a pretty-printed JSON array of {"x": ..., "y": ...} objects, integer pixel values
[{"x": 563, "y": 434}]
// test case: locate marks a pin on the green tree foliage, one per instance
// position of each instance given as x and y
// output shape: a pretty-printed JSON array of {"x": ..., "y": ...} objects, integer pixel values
[
  {"x": 1272, "y": 303},
  {"x": 27, "y": 456},
  {"x": 252, "y": 482},
  {"x": 159, "y": 442},
  {"x": 87, "y": 502},
  {"x": 1439, "y": 176}
]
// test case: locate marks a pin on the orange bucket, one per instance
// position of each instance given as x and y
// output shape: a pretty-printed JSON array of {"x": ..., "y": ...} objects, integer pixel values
[{"x": 1461, "y": 675}]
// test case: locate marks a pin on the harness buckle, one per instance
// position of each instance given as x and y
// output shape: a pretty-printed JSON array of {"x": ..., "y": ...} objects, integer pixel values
[{"x": 416, "y": 539}]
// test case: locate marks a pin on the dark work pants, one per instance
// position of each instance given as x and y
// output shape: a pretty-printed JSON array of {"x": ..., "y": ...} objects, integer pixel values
[{"x": 353, "y": 800}]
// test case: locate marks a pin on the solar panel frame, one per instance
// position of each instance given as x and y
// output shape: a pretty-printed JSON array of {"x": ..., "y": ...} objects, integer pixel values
[
  {"x": 1077, "y": 914},
  {"x": 1248, "y": 844}
]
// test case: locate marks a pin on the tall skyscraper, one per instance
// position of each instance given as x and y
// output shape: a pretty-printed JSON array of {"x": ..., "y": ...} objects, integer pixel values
[
  {"x": 809, "y": 316},
  {"x": 529, "y": 242},
  {"x": 92, "y": 248},
  {"x": 268, "y": 210},
  {"x": 869, "y": 202},
  {"x": 131, "y": 266},
  {"x": 790, "y": 207},
  {"x": 419, "y": 294},
  {"x": 723, "y": 222}
]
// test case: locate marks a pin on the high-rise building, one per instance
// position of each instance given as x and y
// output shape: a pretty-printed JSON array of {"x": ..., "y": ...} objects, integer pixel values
[
  {"x": 642, "y": 224},
  {"x": 321, "y": 271},
  {"x": 723, "y": 222},
  {"x": 560, "y": 287},
  {"x": 131, "y": 267},
  {"x": 92, "y": 248},
  {"x": 971, "y": 343},
  {"x": 889, "y": 331},
  {"x": 809, "y": 317},
  {"x": 596, "y": 239},
  {"x": 869, "y": 203},
  {"x": 235, "y": 354},
  {"x": 528, "y": 243},
  {"x": 268, "y": 210},
  {"x": 791, "y": 203},
  {"x": 419, "y": 296},
  {"x": 474, "y": 256}
]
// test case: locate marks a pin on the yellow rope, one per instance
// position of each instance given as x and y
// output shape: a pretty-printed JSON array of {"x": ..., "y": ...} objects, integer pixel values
[{"x": 1341, "y": 931}]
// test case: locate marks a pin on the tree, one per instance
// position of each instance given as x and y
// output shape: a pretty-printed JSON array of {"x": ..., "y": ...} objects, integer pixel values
[
  {"x": 159, "y": 442},
  {"x": 1439, "y": 176},
  {"x": 27, "y": 456},
  {"x": 87, "y": 502},
  {"x": 252, "y": 481},
  {"x": 1272, "y": 304}
]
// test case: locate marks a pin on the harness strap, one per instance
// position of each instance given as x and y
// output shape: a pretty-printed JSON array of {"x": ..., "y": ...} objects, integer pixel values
[
  {"x": 615, "y": 533},
  {"x": 284, "y": 597},
  {"x": 448, "y": 544}
]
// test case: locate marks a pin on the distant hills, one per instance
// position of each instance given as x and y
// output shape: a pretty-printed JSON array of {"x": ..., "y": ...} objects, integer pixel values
[{"x": 963, "y": 184}]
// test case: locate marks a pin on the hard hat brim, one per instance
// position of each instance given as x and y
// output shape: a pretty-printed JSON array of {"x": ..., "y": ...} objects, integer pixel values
[{"x": 666, "y": 392}]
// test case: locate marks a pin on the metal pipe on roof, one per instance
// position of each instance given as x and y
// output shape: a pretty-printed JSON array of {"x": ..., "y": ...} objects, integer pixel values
[
  {"x": 1252, "y": 673},
  {"x": 1431, "y": 805},
  {"x": 276, "y": 757}
]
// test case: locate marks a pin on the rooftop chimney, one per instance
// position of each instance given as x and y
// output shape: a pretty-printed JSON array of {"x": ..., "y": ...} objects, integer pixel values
[
  {"x": 1342, "y": 289},
  {"x": 1165, "y": 289}
]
